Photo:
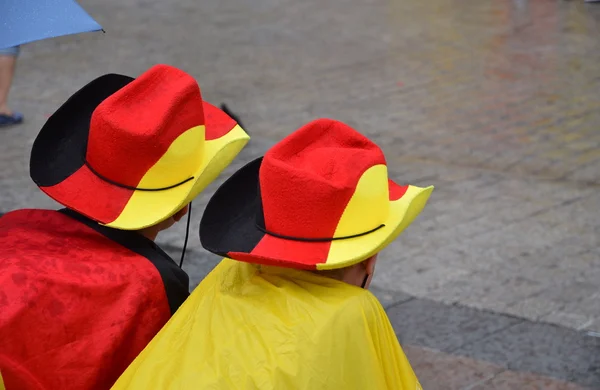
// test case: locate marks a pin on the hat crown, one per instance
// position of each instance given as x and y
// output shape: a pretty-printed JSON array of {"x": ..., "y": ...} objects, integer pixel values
[
  {"x": 308, "y": 178},
  {"x": 139, "y": 124}
]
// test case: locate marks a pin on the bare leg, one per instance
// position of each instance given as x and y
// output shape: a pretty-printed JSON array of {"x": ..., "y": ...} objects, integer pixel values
[{"x": 7, "y": 71}]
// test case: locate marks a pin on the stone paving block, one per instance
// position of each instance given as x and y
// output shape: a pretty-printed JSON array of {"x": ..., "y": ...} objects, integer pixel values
[
  {"x": 439, "y": 371},
  {"x": 515, "y": 344},
  {"x": 570, "y": 302},
  {"x": 594, "y": 327},
  {"x": 414, "y": 276},
  {"x": 570, "y": 320},
  {"x": 533, "y": 308},
  {"x": 446, "y": 328},
  {"x": 528, "y": 233},
  {"x": 550, "y": 271},
  {"x": 541, "y": 348},
  {"x": 587, "y": 173},
  {"x": 581, "y": 296},
  {"x": 511, "y": 380},
  {"x": 494, "y": 288},
  {"x": 522, "y": 188},
  {"x": 575, "y": 212},
  {"x": 570, "y": 253},
  {"x": 388, "y": 298}
]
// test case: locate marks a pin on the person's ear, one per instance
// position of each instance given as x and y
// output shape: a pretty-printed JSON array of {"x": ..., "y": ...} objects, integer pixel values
[{"x": 181, "y": 213}]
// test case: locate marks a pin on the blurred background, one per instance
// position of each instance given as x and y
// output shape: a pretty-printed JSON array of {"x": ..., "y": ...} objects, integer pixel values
[{"x": 496, "y": 103}]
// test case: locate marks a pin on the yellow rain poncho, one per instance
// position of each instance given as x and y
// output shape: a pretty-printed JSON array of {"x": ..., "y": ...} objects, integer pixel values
[{"x": 255, "y": 327}]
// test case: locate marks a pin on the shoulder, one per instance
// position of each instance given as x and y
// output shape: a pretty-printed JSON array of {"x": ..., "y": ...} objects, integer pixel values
[
  {"x": 363, "y": 302},
  {"x": 27, "y": 224},
  {"x": 26, "y": 215},
  {"x": 32, "y": 219},
  {"x": 357, "y": 308}
]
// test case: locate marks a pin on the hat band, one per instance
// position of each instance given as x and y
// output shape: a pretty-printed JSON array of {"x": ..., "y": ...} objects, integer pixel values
[
  {"x": 87, "y": 164},
  {"x": 317, "y": 239}
]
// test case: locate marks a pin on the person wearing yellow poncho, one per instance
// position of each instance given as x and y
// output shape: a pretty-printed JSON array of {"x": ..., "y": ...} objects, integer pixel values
[{"x": 288, "y": 308}]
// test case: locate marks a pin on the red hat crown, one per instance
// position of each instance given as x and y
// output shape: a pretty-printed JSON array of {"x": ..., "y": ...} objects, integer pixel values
[
  {"x": 307, "y": 180},
  {"x": 133, "y": 128}
]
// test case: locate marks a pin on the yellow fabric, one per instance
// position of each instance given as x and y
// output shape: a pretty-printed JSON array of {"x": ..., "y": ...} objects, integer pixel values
[
  {"x": 1, "y": 383},
  {"x": 252, "y": 327},
  {"x": 373, "y": 197},
  {"x": 146, "y": 208}
]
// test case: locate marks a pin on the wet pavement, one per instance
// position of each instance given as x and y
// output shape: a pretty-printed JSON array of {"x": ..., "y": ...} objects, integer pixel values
[{"x": 495, "y": 103}]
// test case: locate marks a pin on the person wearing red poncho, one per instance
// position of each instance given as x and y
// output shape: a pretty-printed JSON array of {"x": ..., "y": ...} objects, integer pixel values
[{"x": 84, "y": 289}]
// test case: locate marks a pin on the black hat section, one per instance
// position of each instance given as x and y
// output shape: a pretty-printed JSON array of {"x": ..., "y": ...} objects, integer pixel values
[
  {"x": 229, "y": 223},
  {"x": 60, "y": 148}
]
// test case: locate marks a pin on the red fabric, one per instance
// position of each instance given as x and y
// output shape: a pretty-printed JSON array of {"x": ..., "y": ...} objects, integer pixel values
[
  {"x": 396, "y": 191},
  {"x": 18, "y": 376},
  {"x": 132, "y": 129},
  {"x": 75, "y": 307},
  {"x": 321, "y": 163},
  {"x": 270, "y": 250},
  {"x": 293, "y": 250},
  {"x": 218, "y": 123},
  {"x": 83, "y": 189}
]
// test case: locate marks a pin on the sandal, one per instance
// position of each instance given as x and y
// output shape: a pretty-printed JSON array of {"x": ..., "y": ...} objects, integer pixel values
[{"x": 9, "y": 120}]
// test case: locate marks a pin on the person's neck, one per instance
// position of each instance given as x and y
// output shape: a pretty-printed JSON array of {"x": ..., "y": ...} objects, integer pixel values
[{"x": 150, "y": 233}]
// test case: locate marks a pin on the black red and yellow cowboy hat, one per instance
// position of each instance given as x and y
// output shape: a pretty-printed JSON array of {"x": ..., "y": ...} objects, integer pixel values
[
  {"x": 129, "y": 153},
  {"x": 319, "y": 199}
]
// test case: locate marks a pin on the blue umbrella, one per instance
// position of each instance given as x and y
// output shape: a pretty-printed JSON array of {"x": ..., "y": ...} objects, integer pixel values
[{"x": 23, "y": 21}]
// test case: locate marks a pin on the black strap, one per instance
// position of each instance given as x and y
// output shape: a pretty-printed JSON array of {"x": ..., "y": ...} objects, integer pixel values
[
  {"x": 87, "y": 164},
  {"x": 318, "y": 239},
  {"x": 261, "y": 225},
  {"x": 187, "y": 234}
]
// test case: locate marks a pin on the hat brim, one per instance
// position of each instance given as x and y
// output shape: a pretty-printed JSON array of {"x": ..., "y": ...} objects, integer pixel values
[
  {"x": 229, "y": 227},
  {"x": 58, "y": 154}
]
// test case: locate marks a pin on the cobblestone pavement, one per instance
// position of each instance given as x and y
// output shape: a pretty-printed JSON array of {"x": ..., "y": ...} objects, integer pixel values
[{"x": 496, "y": 103}]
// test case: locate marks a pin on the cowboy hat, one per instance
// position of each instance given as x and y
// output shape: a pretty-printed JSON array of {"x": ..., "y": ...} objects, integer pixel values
[
  {"x": 129, "y": 153},
  {"x": 319, "y": 199}
]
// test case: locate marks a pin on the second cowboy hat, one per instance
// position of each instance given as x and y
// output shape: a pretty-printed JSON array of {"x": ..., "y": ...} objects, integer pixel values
[
  {"x": 319, "y": 199},
  {"x": 129, "y": 153}
]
